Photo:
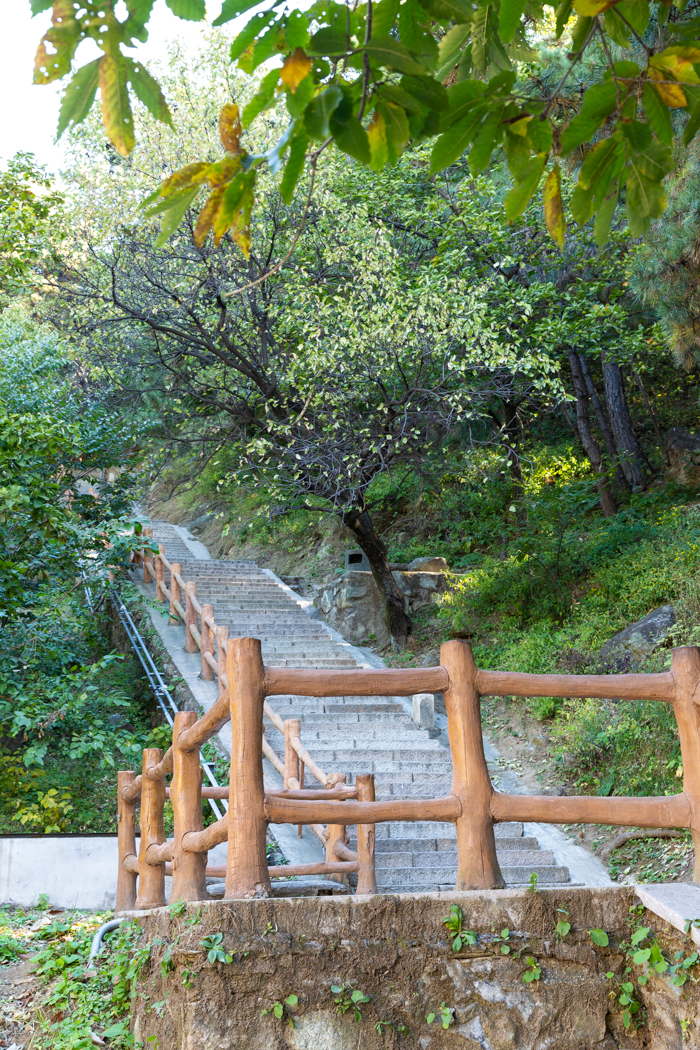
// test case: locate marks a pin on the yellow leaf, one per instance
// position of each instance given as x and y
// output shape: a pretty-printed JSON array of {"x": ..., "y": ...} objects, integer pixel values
[
  {"x": 230, "y": 128},
  {"x": 376, "y": 133},
  {"x": 672, "y": 95},
  {"x": 223, "y": 171},
  {"x": 554, "y": 207},
  {"x": 116, "y": 109},
  {"x": 207, "y": 216},
  {"x": 680, "y": 67},
  {"x": 190, "y": 175},
  {"x": 519, "y": 127},
  {"x": 590, "y": 8},
  {"x": 295, "y": 69}
]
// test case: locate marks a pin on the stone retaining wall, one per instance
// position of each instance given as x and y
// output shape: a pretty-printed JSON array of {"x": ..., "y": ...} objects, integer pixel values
[{"x": 396, "y": 950}]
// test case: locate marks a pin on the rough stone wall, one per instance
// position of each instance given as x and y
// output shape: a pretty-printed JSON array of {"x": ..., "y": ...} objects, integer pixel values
[
  {"x": 353, "y": 605},
  {"x": 396, "y": 950}
]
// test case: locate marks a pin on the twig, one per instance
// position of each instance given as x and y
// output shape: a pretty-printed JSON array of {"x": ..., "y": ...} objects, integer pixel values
[{"x": 579, "y": 55}]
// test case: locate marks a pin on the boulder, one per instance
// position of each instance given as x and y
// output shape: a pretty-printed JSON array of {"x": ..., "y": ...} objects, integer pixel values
[
  {"x": 428, "y": 565},
  {"x": 640, "y": 639},
  {"x": 353, "y": 605},
  {"x": 683, "y": 449}
]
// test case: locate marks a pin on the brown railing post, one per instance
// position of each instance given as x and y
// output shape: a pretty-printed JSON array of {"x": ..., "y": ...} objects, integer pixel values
[
  {"x": 160, "y": 573},
  {"x": 151, "y": 876},
  {"x": 335, "y": 833},
  {"x": 207, "y": 672},
  {"x": 292, "y": 728},
  {"x": 190, "y": 617},
  {"x": 246, "y": 862},
  {"x": 175, "y": 592},
  {"x": 126, "y": 841},
  {"x": 189, "y": 878},
  {"x": 366, "y": 879},
  {"x": 685, "y": 668},
  {"x": 147, "y": 558},
  {"x": 477, "y": 863},
  {"x": 221, "y": 648}
]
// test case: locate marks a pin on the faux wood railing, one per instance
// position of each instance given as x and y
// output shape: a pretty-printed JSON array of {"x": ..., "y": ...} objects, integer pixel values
[{"x": 473, "y": 805}]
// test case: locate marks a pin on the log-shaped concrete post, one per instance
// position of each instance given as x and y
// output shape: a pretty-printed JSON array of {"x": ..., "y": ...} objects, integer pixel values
[
  {"x": 147, "y": 557},
  {"x": 160, "y": 573},
  {"x": 685, "y": 668},
  {"x": 477, "y": 864},
  {"x": 246, "y": 863},
  {"x": 190, "y": 617},
  {"x": 292, "y": 729},
  {"x": 189, "y": 869},
  {"x": 175, "y": 593},
  {"x": 366, "y": 879},
  {"x": 335, "y": 833},
  {"x": 207, "y": 672},
  {"x": 126, "y": 841},
  {"x": 221, "y": 649},
  {"x": 151, "y": 876}
]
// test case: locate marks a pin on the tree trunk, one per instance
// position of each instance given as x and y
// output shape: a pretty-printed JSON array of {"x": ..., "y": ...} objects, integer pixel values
[
  {"x": 398, "y": 623},
  {"x": 634, "y": 462},
  {"x": 620, "y": 479},
  {"x": 590, "y": 445},
  {"x": 510, "y": 438}
]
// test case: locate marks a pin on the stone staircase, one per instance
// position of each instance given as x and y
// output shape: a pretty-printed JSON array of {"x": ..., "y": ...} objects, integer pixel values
[{"x": 353, "y": 734}]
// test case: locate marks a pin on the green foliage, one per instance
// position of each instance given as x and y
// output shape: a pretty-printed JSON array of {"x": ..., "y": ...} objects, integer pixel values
[
  {"x": 371, "y": 82},
  {"x": 277, "y": 1008},
  {"x": 533, "y": 972},
  {"x": 213, "y": 947},
  {"x": 30, "y": 226},
  {"x": 445, "y": 1014},
  {"x": 348, "y": 998},
  {"x": 460, "y": 937},
  {"x": 599, "y": 937}
]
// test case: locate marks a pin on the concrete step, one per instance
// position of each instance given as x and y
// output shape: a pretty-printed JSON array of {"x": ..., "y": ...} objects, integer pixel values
[
  {"x": 411, "y": 880},
  {"x": 433, "y": 846}
]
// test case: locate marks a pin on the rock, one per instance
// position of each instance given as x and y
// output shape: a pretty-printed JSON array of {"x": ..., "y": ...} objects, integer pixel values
[
  {"x": 200, "y": 523},
  {"x": 424, "y": 710},
  {"x": 640, "y": 639},
  {"x": 428, "y": 565},
  {"x": 354, "y": 606},
  {"x": 431, "y": 660},
  {"x": 683, "y": 450}
]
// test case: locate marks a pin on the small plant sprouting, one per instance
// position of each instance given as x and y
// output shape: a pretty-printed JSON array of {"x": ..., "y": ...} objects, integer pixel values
[
  {"x": 445, "y": 1013},
  {"x": 278, "y": 1008},
  {"x": 178, "y": 908},
  {"x": 194, "y": 919},
  {"x": 685, "y": 1025},
  {"x": 188, "y": 975},
  {"x": 460, "y": 937},
  {"x": 532, "y": 888},
  {"x": 349, "y": 999},
  {"x": 626, "y": 1000},
  {"x": 599, "y": 937},
  {"x": 533, "y": 972},
  {"x": 502, "y": 939},
  {"x": 563, "y": 926},
  {"x": 269, "y": 929},
  {"x": 213, "y": 947},
  {"x": 694, "y": 923}
]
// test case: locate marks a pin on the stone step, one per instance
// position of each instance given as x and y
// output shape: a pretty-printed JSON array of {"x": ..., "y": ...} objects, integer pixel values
[
  {"x": 433, "y": 829},
  {"x": 412, "y": 880},
  {"x": 448, "y": 859},
  {"x": 432, "y": 846}
]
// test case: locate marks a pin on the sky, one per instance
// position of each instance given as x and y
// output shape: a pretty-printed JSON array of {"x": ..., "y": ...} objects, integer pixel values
[{"x": 30, "y": 111}]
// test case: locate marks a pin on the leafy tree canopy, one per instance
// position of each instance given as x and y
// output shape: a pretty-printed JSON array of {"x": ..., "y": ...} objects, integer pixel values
[{"x": 371, "y": 77}]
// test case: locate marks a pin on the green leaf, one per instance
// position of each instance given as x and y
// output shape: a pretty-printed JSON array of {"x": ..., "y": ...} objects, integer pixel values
[
  {"x": 428, "y": 91},
  {"x": 385, "y": 51},
  {"x": 641, "y": 956},
  {"x": 636, "y": 12},
  {"x": 451, "y": 47},
  {"x": 378, "y": 144},
  {"x": 599, "y": 937},
  {"x": 462, "y": 98},
  {"x": 490, "y": 134},
  {"x": 173, "y": 213},
  {"x": 296, "y": 30},
  {"x": 397, "y": 127},
  {"x": 232, "y": 8},
  {"x": 191, "y": 10},
  {"x": 659, "y": 116},
  {"x": 274, "y": 155},
  {"x": 691, "y": 128},
  {"x": 114, "y": 1030},
  {"x": 37, "y": 6},
  {"x": 563, "y": 15},
  {"x": 414, "y": 34},
  {"x": 384, "y": 16},
  {"x": 116, "y": 110},
  {"x": 639, "y": 935},
  {"x": 459, "y": 11},
  {"x": 292, "y": 1000},
  {"x": 351, "y": 138},
  {"x": 509, "y": 18},
  {"x": 318, "y": 112},
  {"x": 598, "y": 167},
  {"x": 616, "y": 28},
  {"x": 250, "y": 31},
  {"x": 556, "y": 225},
  {"x": 79, "y": 96},
  {"x": 527, "y": 182},
  {"x": 263, "y": 96},
  {"x": 598, "y": 103},
  {"x": 580, "y": 33},
  {"x": 329, "y": 41},
  {"x": 148, "y": 91},
  {"x": 452, "y": 144},
  {"x": 265, "y": 47}
]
